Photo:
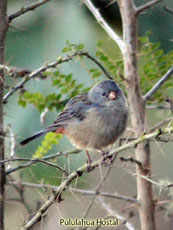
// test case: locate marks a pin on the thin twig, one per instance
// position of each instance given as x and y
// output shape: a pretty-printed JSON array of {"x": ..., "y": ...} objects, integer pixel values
[
  {"x": 157, "y": 107},
  {"x": 104, "y": 24},
  {"x": 36, "y": 72},
  {"x": 105, "y": 194},
  {"x": 15, "y": 72},
  {"x": 24, "y": 10},
  {"x": 112, "y": 212},
  {"x": 80, "y": 170},
  {"x": 168, "y": 9},
  {"x": 160, "y": 124},
  {"x": 98, "y": 63},
  {"x": 82, "y": 191},
  {"x": 34, "y": 161},
  {"x": 146, "y": 6},
  {"x": 148, "y": 95},
  {"x": 132, "y": 160}
]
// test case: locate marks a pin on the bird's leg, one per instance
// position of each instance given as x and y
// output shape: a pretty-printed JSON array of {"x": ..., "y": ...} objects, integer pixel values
[{"x": 89, "y": 161}]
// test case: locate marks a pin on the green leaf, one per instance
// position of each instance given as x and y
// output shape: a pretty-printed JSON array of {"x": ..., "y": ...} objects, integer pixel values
[
  {"x": 80, "y": 47},
  {"x": 50, "y": 139},
  {"x": 67, "y": 49},
  {"x": 22, "y": 103}
]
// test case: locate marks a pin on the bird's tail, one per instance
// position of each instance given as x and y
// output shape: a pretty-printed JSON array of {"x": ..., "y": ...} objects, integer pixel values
[
  {"x": 36, "y": 135},
  {"x": 52, "y": 128}
]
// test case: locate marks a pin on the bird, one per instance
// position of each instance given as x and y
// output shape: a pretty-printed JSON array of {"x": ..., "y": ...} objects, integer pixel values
[{"x": 92, "y": 120}]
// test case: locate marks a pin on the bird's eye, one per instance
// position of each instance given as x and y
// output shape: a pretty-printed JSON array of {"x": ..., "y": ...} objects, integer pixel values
[{"x": 103, "y": 94}]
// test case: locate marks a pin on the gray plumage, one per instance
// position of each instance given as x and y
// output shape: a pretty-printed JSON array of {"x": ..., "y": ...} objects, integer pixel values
[{"x": 92, "y": 120}]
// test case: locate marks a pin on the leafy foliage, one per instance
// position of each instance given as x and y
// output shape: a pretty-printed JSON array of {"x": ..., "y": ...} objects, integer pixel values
[
  {"x": 67, "y": 87},
  {"x": 50, "y": 139},
  {"x": 115, "y": 67},
  {"x": 72, "y": 47},
  {"x": 153, "y": 64}
]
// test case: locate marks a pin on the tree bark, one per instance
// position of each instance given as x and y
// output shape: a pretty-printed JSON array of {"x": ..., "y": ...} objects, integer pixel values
[
  {"x": 137, "y": 112},
  {"x": 3, "y": 30}
]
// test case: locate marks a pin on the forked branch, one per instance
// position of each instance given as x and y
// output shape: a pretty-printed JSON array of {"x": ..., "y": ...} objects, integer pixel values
[
  {"x": 48, "y": 66},
  {"x": 146, "y": 6},
  {"x": 104, "y": 24}
]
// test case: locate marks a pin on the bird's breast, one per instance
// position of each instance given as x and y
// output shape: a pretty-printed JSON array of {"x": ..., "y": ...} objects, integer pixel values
[{"x": 100, "y": 128}]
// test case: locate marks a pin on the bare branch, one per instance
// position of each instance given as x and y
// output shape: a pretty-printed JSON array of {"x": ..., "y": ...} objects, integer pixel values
[
  {"x": 132, "y": 160},
  {"x": 112, "y": 212},
  {"x": 104, "y": 24},
  {"x": 160, "y": 124},
  {"x": 82, "y": 169},
  {"x": 14, "y": 72},
  {"x": 146, "y": 6},
  {"x": 156, "y": 107},
  {"x": 13, "y": 145},
  {"x": 168, "y": 9},
  {"x": 82, "y": 191},
  {"x": 48, "y": 66},
  {"x": 105, "y": 194},
  {"x": 148, "y": 95},
  {"x": 24, "y": 10},
  {"x": 34, "y": 161}
]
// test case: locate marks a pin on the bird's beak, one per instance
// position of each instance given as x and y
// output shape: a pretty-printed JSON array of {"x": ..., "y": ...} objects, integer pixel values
[{"x": 112, "y": 95}]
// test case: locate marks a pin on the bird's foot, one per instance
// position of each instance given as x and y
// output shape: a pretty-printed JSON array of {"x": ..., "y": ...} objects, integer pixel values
[{"x": 89, "y": 167}]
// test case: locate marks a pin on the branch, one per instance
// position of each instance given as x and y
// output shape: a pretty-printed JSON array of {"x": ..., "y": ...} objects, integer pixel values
[
  {"x": 100, "y": 65},
  {"x": 13, "y": 144},
  {"x": 48, "y": 66},
  {"x": 113, "y": 213},
  {"x": 168, "y": 9},
  {"x": 104, "y": 24},
  {"x": 82, "y": 191},
  {"x": 160, "y": 124},
  {"x": 156, "y": 107},
  {"x": 146, "y": 6},
  {"x": 23, "y": 10},
  {"x": 34, "y": 161},
  {"x": 132, "y": 160},
  {"x": 57, "y": 193},
  {"x": 14, "y": 72},
  {"x": 105, "y": 194},
  {"x": 148, "y": 95}
]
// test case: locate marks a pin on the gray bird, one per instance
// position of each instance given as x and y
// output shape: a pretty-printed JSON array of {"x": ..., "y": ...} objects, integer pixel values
[{"x": 93, "y": 120}]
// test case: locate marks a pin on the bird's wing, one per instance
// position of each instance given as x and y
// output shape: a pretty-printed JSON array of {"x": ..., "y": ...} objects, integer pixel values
[{"x": 75, "y": 109}]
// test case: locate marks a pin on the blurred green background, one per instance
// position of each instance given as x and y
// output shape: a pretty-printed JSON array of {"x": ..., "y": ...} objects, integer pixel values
[{"x": 37, "y": 38}]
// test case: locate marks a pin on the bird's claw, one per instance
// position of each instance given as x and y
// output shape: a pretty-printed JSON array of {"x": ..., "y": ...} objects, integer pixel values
[{"x": 89, "y": 167}]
